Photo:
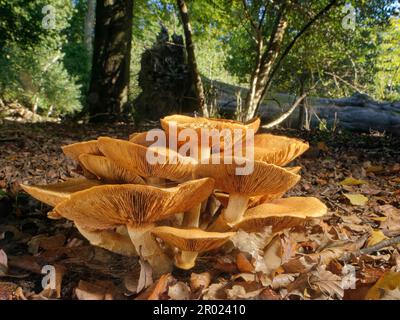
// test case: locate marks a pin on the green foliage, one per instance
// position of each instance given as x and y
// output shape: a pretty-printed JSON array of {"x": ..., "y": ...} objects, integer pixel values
[
  {"x": 387, "y": 79},
  {"x": 33, "y": 70}
]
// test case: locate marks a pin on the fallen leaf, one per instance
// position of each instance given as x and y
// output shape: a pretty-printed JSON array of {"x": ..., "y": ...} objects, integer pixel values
[
  {"x": 350, "y": 181},
  {"x": 179, "y": 291},
  {"x": 145, "y": 277},
  {"x": 387, "y": 282},
  {"x": 200, "y": 280},
  {"x": 215, "y": 291},
  {"x": 239, "y": 292},
  {"x": 391, "y": 294},
  {"x": 272, "y": 258},
  {"x": 160, "y": 287},
  {"x": 243, "y": 264},
  {"x": 374, "y": 169},
  {"x": 391, "y": 226},
  {"x": 328, "y": 283},
  {"x": 356, "y": 199},
  {"x": 376, "y": 237},
  {"x": 269, "y": 294},
  {"x": 93, "y": 291},
  {"x": 3, "y": 263}
]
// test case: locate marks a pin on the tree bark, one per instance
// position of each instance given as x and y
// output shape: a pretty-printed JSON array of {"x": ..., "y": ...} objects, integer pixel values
[
  {"x": 109, "y": 86},
  {"x": 90, "y": 20},
  {"x": 272, "y": 63},
  {"x": 263, "y": 68},
  {"x": 192, "y": 63}
]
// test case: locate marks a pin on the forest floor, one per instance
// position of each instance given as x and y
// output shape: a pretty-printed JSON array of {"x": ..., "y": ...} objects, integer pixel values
[{"x": 356, "y": 175}]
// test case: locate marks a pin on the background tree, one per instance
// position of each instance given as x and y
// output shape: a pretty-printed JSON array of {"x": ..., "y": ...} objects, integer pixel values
[{"x": 109, "y": 84}]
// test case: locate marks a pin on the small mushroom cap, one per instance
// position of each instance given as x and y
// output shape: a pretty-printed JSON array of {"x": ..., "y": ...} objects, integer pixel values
[
  {"x": 185, "y": 122},
  {"x": 281, "y": 214},
  {"x": 278, "y": 150},
  {"x": 133, "y": 157},
  {"x": 76, "y": 149},
  {"x": 223, "y": 198},
  {"x": 53, "y": 194},
  {"x": 106, "y": 207},
  {"x": 107, "y": 171},
  {"x": 195, "y": 240},
  {"x": 265, "y": 178},
  {"x": 140, "y": 138}
]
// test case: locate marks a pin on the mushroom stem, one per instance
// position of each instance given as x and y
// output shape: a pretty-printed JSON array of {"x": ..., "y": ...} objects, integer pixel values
[
  {"x": 236, "y": 208},
  {"x": 219, "y": 225},
  {"x": 191, "y": 218},
  {"x": 148, "y": 248},
  {"x": 186, "y": 259}
]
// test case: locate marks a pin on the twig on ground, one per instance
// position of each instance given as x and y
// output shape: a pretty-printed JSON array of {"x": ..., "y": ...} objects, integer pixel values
[{"x": 380, "y": 245}]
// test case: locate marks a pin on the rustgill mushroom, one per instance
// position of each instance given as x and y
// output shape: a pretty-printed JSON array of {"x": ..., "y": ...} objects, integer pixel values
[
  {"x": 264, "y": 179},
  {"x": 191, "y": 242},
  {"x": 138, "y": 208},
  {"x": 133, "y": 157},
  {"x": 107, "y": 171},
  {"x": 281, "y": 214},
  {"x": 53, "y": 194},
  {"x": 74, "y": 150},
  {"x": 197, "y": 124}
]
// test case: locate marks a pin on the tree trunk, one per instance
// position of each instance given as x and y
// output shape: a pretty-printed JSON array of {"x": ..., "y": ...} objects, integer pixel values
[
  {"x": 90, "y": 20},
  {"x": 260, "y": 76},
  {"x": 183, "y": 10},
  {"x": 108, "y": 93}
]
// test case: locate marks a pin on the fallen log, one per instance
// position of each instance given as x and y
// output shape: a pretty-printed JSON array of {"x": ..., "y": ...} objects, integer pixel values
[{"x": 357, "y": 113}]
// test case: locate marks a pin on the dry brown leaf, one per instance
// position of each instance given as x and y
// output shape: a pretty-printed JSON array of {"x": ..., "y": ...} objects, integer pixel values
[
  {"x": 305, "y": 263},
  {"x": 391, "y": 226},
  {"x": 94, "y": 291},
  {"x": 243, "y": 264},
  {"x": 160, "y": 287},
  {"x": 282, "y": 280},
  {"x": 272, "y": 258},
  {"x": 200, "y": 280},
  {"x": 46, "y": 242},
  {"x": 269, "y": 294},
  {"x": 145, "y": 277},
  {"x": 328, "y": 283},
  {"x": 391, "y": 294},
  {"x": 215, "y": 291},
  {"x": 239, "y": 292},
  {"x": 3, "y": 263},
  {"x": 179, "y": 291}
]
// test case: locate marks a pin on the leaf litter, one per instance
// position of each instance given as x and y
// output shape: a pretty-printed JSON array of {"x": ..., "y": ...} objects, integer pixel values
[{"x": 321, "y": 259}]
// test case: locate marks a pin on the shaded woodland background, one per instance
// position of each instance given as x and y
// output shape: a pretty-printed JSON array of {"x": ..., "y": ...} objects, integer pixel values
[{"x": 144, "y": 59}]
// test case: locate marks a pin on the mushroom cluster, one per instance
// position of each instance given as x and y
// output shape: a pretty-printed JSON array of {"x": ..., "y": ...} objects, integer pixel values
[{"x": 170, "y": 212}]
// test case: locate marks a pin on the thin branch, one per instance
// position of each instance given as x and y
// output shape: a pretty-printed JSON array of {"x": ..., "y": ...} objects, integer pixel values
[
  {"x": 380, "y": 245},
  {"x": 293, "y": 42},
  {"x": 286, "y": 114}
]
